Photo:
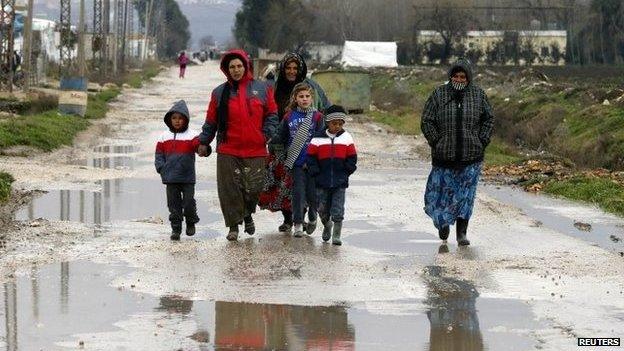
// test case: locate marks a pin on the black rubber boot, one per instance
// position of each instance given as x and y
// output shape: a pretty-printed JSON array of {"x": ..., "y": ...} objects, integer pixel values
[
  {"x": 462, "y": 228},
  {"x": 250, "y": 226},
  {"x": 443, "y": 233}
]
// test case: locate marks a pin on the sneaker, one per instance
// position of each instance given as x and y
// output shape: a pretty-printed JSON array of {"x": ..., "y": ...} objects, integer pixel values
[
  {"x": 233, "y": 233},
  {"x": 190, "y": 229},
  {"x": 310, "y": 227},
  {"x": 298, "y": 231}
]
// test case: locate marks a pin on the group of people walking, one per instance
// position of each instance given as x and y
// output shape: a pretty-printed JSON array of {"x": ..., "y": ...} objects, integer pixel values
[{"x": 284, "y": 148}]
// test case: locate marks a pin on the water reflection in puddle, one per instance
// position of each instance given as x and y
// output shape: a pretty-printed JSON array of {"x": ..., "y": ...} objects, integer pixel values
[
  {"x": 119, "y": 199},
  {"x": 58, "y": 306}
]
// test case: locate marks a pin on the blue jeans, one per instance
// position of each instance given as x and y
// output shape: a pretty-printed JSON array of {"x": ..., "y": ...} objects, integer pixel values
[
  {"x": 331, "y": 203},
  {"x": 303, "y": 195}
]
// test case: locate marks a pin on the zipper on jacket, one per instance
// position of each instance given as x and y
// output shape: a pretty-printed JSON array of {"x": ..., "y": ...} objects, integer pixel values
[{"x": 331, "y": 174}]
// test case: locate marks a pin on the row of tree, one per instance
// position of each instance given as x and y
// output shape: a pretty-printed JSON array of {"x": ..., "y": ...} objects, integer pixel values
[
  {"x": 595, "y": 28},
  {"x": 167, "y": 24}
]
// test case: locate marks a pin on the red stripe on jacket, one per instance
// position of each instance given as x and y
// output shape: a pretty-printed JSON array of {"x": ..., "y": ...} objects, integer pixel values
[{"x": 173, "y": 146}]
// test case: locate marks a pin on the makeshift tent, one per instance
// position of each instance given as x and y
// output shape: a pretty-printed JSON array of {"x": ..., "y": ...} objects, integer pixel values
[{"x": 369, "y": 54}]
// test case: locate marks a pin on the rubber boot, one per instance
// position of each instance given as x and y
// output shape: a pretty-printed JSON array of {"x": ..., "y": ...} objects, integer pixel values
[
  {"x": 327, "y": 229},
  {"x": 443, "y": 233},
  {"x": 462, "y": 228},
  {"x": 250, "y": 226},
  {"x": 233, "y": 233},
  {"x": 336, "y": 233}
]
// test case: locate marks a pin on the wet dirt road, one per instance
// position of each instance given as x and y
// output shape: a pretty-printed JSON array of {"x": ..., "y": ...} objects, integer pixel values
[{"x": 90, "y": 265}]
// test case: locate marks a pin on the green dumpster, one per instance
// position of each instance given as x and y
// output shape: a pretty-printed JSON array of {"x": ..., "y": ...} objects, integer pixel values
[{"x": 350, "y": 89}]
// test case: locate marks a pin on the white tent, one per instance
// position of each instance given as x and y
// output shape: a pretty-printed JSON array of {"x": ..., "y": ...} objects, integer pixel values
[{"x": 369, "y": 54}]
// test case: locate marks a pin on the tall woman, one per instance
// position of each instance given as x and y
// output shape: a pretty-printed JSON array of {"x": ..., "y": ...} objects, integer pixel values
[
  {"x": 457, "y": 122},
  {"x": 277, "y": 190}
]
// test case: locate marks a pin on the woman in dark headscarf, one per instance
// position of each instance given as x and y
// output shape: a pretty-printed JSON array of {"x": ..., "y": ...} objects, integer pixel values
[
  {"x": 457, "y": 122},
  {"x": 277, "y": 191}
]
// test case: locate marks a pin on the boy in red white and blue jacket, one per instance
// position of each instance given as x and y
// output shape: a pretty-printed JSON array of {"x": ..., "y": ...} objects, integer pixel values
[
  {"x": 175, "y": 162},
  {"x": 332, "y": 158}
]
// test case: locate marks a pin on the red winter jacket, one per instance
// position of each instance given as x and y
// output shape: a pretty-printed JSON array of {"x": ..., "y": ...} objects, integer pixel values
[{"x": 252, "y": 114}]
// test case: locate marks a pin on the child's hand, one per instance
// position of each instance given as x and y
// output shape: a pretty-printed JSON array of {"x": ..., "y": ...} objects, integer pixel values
[{"x": 204, "y": 150}]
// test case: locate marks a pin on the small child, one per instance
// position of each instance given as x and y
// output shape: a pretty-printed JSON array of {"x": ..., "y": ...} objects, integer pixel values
[
  {"x": 332, "y": 158},
  {"x": 175, "y": 162},
  {"x": 301, "y": 122}
]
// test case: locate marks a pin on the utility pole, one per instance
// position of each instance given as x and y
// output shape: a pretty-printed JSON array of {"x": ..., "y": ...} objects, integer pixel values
[
  {"x": 115, "y": 32},
  {"x": 81, "y": 40},
  {"x": 105, "y": 36},
  {"x": 66, "y": 38},
  {"x": 97, "y": 40},
  {"x": 27, "y": 59},
  {"x": 7, "y": 20}
]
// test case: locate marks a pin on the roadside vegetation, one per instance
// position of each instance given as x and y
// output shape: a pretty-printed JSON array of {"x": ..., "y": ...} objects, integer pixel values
[
  {"x": 558, "y": 130},
  {"x": 35, "y": 123}
]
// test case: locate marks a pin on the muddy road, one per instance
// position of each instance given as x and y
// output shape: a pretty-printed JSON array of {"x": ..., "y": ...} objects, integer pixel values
[{"x": 87, "y": 264}]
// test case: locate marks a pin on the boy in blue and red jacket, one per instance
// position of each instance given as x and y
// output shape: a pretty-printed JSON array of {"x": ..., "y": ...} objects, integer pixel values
[
  {"x": 332, "y": 158},
  {"x": 175, "y": 162}
]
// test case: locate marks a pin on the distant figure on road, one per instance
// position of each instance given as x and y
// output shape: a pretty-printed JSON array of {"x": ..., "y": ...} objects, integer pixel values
[
  {"x": 457, "y": 122},
  {"x": 299, "y": 125},
  {"x": 182, "y": 61},
  {"x": 332, "y": 158},
  {"x": 243, "y": 116},
  {"x": 175, "y": 162},
  {"x": 277, "y": 190}
]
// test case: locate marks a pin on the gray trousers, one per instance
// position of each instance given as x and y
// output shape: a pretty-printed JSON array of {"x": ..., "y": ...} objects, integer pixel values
[
  {"x": 181, "y": 204},
  {"x": 331, "y": 204}
]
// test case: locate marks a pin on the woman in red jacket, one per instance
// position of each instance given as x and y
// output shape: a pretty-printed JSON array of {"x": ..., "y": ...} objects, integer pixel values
[{"x": 243, "y": 115}]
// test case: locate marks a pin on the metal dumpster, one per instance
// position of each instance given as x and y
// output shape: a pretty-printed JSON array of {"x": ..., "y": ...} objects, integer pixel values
[
  {"x": 350, "y": 89},
  {"x": 73, "y": 97}
]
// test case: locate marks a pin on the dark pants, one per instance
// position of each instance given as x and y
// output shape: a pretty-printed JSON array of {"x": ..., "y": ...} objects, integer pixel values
[
  {"x": 303, "y": 195},
  {"x": 331, "y": 203},
  {"x": 181, "y": 203},
  {"x": 239, "y": 182}
]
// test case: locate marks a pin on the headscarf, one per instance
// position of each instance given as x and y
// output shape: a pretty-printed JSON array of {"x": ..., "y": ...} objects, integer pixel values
[{"x": 284, "y": 87}]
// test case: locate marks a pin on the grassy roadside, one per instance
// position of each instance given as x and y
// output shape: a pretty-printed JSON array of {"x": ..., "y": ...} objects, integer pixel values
[
  {"x": 38, "y": 124},
  {"x": 590, "y": 134}
]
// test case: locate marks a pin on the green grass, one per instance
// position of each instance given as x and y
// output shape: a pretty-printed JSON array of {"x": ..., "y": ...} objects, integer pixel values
[
  {"x": 499, "y": 153},
  {"x": 604, "y": 193},
  {"x": 402, "y": 123},
  {"x": 46, "y": 131},
  {"x": 5, "y": 186},
  {"x": 97, "y": 104}
]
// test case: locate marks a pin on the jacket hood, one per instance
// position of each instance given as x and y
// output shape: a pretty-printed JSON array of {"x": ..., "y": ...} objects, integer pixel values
[
  {"x": 463, "y": 65},
  {"x": 239, "y": 54},
  {"x": 302, "y": 70},
  {"x": 181, "y": 108}
]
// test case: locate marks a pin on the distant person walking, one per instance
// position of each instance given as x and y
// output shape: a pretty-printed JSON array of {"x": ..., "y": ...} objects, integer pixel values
[
  {"x": 182, "y": 61},
  {"x": 243, "y": 116},
  {"x": 278, "y": 186},
  {"x": 457, "y": 122}
]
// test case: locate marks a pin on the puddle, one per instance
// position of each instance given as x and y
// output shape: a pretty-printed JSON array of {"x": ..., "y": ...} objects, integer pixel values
[
  {"x": 61, "y": 305},
  {"x": 119, "y": 199},
  {"x": 561, "y": 215}
]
